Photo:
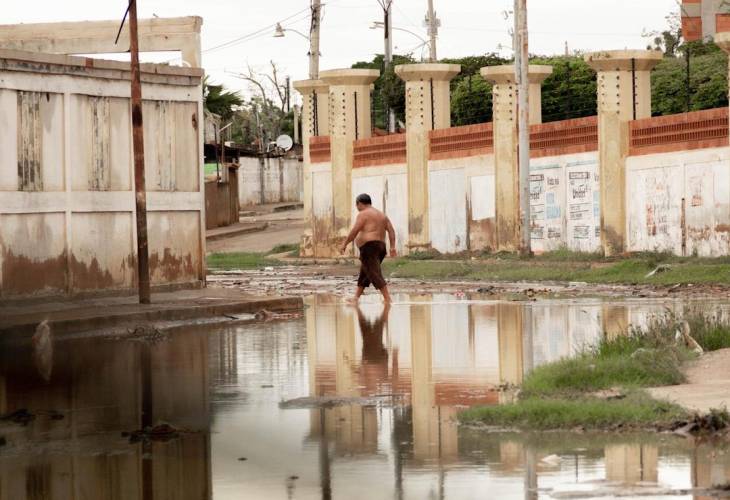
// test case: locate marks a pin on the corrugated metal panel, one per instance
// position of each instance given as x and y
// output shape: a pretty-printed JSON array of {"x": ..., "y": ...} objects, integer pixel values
[{"x": 396, "y": 207}]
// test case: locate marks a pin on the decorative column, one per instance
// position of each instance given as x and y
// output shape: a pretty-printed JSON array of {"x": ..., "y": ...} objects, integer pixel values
[
  {"x": 624, "y": 94},
  {"x": 349, "y": 120},
  {"x": 315, "y": 121},
  {"x": 506, "y": 165},
  {"x": 428, "y": 107}
]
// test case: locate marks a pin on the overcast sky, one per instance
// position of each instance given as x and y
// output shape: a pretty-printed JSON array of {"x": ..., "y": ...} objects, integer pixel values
[{"x": 469, "y": 27}]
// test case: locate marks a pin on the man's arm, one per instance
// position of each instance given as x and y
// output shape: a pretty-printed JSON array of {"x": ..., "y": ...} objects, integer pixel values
[
  {"x": 391, "y": 236},
  {"x": 359, "y": 224}
]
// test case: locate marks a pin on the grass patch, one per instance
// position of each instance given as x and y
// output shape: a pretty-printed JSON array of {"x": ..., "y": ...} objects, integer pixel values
[
  {"x": 565, "y": 265},
  {"x": 240, "y": 260},
  {"x": 562, "y": 394},
  {"x": 637, "y": 410},
  {"x": 289, "y": 248}
]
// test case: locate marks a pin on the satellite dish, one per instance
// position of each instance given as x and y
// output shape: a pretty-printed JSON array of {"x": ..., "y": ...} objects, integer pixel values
[{"x": 284, "y": 142}]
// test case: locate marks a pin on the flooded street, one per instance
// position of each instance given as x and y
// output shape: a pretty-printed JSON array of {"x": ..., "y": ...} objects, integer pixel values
[{"x": 338, "y": 404}]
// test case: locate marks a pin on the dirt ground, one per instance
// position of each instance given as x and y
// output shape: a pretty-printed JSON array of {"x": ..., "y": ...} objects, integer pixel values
[
  {"x": 284, "y": 228},
  {"x": 708, "y": 383},
  {"x": 339, "y": 279}
]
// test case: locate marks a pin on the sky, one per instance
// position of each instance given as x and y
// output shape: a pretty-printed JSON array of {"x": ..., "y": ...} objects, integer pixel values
[{"x": 469, "y": 27}]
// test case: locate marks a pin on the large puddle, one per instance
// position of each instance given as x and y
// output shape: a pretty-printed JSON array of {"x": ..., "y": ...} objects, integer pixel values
[{"x": 339, "y": 404}]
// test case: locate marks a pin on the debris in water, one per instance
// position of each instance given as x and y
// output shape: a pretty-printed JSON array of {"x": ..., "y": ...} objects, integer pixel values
[
  {"x": 22, "y": 417},
  {"x": 161, "y": 432},
  {"x": 42, "y": 341},
  {"x": 146, "y": 333},
  {"x": 242, "y": 459}
]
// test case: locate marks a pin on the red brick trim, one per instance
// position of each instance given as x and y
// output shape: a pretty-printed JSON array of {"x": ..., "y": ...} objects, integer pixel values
[
  {"x": 579, "y": 135},
  {"x": 383, "y": 150},
  {"x": 320, "y": 150},
  {"x": 461, "y": 142},
  {"x": 687, "y": 131}
]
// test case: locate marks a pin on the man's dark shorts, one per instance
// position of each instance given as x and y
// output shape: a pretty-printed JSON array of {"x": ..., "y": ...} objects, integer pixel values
[{"x": 372, "y": 255}]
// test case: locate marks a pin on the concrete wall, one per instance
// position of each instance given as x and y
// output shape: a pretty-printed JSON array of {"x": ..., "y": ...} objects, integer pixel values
[
  {"x": 279, "y": 179},
  {"x": 67, "y": 206},
  {"x": 386, "y": 185},
  {"x": 565, "y": 203},
  {"x": 679, "y": 202}
]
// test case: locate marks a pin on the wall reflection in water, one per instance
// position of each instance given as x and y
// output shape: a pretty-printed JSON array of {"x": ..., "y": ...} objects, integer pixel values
[
  {"x": 64, "y": 440},
  {"x": 433, "y": 356}
]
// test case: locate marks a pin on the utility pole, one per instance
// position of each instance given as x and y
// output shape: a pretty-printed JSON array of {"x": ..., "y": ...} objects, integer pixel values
[
  {"x": 314, "y": 40},
  {"x": 522, "y": 62},
  {"x": 387, "y": 6},
  {"x": 433, "y": 28},
  {"x": 143, "y": 264}
]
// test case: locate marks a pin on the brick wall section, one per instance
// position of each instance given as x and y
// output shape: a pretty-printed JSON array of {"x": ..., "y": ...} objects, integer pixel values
[
  {"x": 384, "y": 150},
  {"x": 683, "y": 132},
  {"x": 579, "y": 135},
  {"x": 461, "y": 142},
  {"x": 319, "y": 149}
]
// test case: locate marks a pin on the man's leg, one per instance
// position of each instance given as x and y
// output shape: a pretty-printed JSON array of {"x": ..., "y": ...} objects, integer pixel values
[
  {"x": 358, "y": 294},
  {"x": 386, "y": 294}
]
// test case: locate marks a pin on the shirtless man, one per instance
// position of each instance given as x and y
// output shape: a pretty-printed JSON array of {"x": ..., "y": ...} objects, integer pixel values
[{"x": 368, "y": 233}]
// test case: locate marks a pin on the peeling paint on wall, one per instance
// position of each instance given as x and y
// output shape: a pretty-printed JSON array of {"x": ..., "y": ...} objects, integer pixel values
[{"x": 29, "y": 141}]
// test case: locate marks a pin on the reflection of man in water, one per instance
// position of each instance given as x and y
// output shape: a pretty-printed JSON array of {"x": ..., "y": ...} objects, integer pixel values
[
  {"x": 374, "y": 354},
  {"x": 368, "y": 233}
]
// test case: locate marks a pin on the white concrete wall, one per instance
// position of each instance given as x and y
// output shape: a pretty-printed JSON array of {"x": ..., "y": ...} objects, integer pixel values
[
  {"x": 387, "y": 185},
  {"x": 71, "y": 228},
  {"x": 565, "y": 203},
  {"x": 679, "y": 202},
  {"x": 281, "y": 179}
]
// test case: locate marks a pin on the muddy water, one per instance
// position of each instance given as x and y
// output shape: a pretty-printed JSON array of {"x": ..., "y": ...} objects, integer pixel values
[{"x": 340, "y": 404}]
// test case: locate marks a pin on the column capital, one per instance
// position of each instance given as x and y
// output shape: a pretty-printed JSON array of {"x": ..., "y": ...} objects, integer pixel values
[
  {"x": 353, "y": 77},
  {"x": 622, "y": 60},
  {"x": 538, "y": 73},
  {"x": 427, "y": 71},
  {"x": 309, "y": 86}
]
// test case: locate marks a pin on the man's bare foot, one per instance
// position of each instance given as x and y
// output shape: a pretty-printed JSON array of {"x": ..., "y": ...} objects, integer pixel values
[{"x": 353, "y": 301}]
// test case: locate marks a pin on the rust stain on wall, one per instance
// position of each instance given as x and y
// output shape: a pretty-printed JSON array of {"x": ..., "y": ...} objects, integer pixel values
[
  {"x": 91, "y": 276},
  {"x": 25, "y": 276},
  {"x": 172, "y": 267},
  {"x": 100, "y": 175}
]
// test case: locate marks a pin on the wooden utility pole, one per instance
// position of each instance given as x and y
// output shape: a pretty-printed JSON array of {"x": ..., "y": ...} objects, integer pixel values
[
  {"x": 432, "y": 32},
  {"x": 314, "y": 40},
  {"x": 143, "y": 260},
  {"x": 522, "y": 78}
]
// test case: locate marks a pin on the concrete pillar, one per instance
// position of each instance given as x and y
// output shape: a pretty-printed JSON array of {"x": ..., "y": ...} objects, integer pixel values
[
  {"x": 428, "y": 107},
  {"x": 349, "y": 120},
  {"x": 624, "y": 94},
  {"x": 315, "y": 121},
  {"x": 505, "y": 145}
]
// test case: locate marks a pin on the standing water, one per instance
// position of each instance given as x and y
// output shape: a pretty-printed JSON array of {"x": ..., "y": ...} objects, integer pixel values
[{"x": 344, "y": 403}]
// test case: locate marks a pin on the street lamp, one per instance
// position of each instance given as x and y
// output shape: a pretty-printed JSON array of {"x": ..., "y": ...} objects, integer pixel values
[
  {"x": 280, "y": 32},
  {"x": 380, "y": 25}
]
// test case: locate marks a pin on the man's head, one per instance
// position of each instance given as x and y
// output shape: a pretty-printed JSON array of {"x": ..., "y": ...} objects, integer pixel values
[{"x": 363, "y": 201}]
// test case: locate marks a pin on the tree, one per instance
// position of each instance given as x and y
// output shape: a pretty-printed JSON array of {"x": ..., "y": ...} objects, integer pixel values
[
  {"x": 220, "y": 101},
  {"x": 390, "y": 90}
]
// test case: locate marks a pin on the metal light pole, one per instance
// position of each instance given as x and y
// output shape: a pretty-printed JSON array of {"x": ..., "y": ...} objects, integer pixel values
[
  {"x": 143, "y": 268},
  {"x": 522, "y": 78}
]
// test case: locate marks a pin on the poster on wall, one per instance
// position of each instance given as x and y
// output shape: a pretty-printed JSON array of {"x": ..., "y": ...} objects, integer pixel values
[
  {"x": 583, "y": 207},
  {"x": 546, "y": 187}
]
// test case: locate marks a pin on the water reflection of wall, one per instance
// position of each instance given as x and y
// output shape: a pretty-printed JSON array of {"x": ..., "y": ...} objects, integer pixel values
[
  {"x": 436, "y": 355},
  {"x": 98, "y": 389}
]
